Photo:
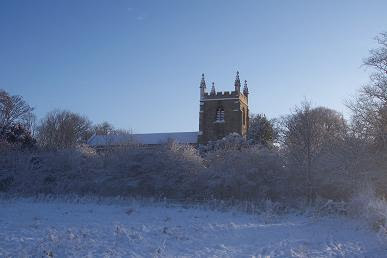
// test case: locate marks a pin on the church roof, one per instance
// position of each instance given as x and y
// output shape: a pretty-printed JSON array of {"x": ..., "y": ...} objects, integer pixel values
[{"x": 146, "y": 138}]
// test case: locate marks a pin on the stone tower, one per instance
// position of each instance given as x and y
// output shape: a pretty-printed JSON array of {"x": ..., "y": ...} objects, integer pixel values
[{"x": 222, "y": 113}]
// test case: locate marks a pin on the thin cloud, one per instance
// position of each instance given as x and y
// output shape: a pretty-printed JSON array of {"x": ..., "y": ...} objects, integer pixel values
[
  {"x": 140, "y": 18},
  {"x": 134, "y": 13}
]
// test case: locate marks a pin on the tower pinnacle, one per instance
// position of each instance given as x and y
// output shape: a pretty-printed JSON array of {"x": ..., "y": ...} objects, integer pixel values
[
  {"x": 203, "y": 82},
  {"x": 237, "y": 83},
  {"x": 202, "y": 86},
  {"x": 245, "y": 89},
  {"x": 213, "y": 92}
]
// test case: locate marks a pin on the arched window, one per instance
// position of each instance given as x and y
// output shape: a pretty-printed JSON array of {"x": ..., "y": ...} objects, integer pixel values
[{"x": 219, "y": 115}]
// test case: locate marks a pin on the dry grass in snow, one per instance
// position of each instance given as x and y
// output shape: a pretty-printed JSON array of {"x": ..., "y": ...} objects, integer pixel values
[{"x": 73, "y": 228}]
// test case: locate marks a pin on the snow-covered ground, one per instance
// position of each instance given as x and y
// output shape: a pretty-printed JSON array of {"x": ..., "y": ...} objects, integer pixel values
[{"x": 30, "y": 228}]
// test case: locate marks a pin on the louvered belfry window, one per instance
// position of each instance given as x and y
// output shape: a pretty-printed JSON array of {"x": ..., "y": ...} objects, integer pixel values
[{"x": 220, "y": 115}]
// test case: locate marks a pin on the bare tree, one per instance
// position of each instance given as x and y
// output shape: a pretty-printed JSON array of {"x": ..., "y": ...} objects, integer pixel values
[
  {"x": 16, "y": 121},
  {"x": 378, "y": 56},
  {"x": 63, "y": 129},
  {"x": 369, "y": 109},
  {"x": 306, "y": 134},
  {"x": 261, "y": 130},
  {"x": 104, "y": 128},
  {"x": 14, "y": 110}
]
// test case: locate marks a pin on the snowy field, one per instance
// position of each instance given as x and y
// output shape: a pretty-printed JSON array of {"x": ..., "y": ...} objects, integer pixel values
[{"x": 30, "y": 228}]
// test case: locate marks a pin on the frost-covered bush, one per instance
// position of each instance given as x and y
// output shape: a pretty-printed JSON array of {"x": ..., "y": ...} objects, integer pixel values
[
  {"x": 232, "y": 141},
  {"x": 249, "y": 173},
  {"x": 159, "y": 171},
  {"x": 56, "y": 172},
  {"x": 232, "y": 170},
  {"x": 172, "y": 170},
  {"x": 127, "y": 170},
  {"x": 371, "y": 208}
]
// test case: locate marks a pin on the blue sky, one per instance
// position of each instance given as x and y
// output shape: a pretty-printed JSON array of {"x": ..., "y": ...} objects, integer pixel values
[{"x": 137, "y": 64}]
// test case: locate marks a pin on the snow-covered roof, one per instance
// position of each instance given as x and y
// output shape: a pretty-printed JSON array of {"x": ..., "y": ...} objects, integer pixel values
[{"x": 146, "y": 138}]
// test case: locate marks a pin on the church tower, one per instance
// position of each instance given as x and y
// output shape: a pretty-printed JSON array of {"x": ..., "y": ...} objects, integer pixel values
[{"x": 222, "y": 113}]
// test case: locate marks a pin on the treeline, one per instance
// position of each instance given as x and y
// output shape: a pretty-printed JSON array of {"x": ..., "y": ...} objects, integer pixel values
[
  {"x": 59, "y": 129},
  {"x": 311, "y": 153}
]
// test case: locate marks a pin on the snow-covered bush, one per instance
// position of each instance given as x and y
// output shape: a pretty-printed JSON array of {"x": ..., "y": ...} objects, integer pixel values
[
  {"x": 249, "y": 173},
  {"x": 232, "y": 141},
  {"x": 47, "y": 172},
  {"x": 121, "y": 171},
  {"x": 172, "y": 170},
  {"x": 232, "y": 171},
  {"x": 371, "y": 208},
  {"x": 161, "y": 171}
]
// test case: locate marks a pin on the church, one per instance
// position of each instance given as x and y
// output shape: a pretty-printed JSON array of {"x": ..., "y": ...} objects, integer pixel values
[{"x": 220, "y": 114}]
